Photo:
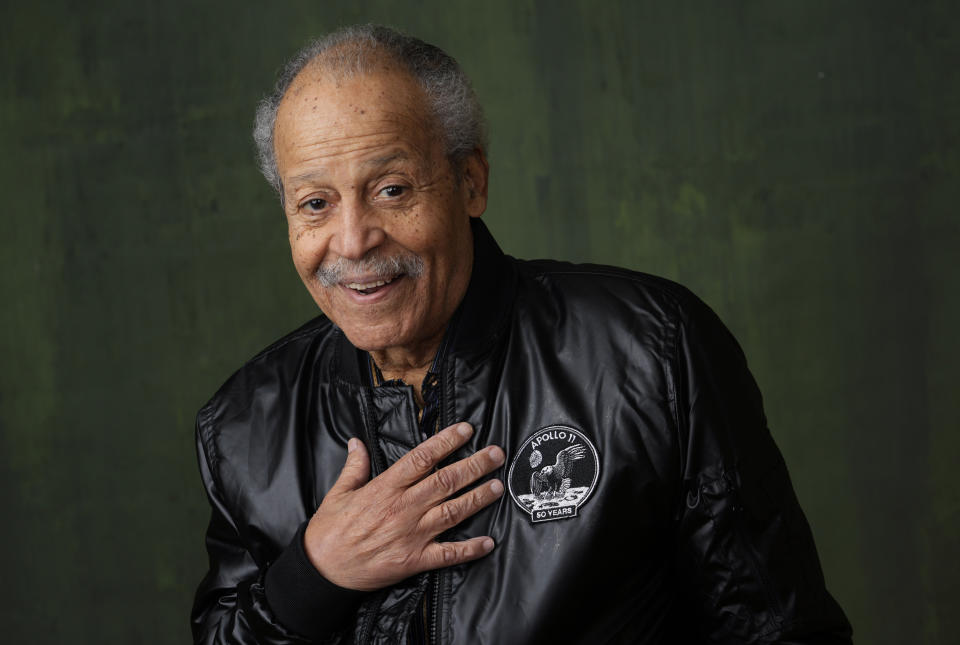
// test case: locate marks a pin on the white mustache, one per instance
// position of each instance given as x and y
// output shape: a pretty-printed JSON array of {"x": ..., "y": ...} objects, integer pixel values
[{"x": 344, "y": 270}]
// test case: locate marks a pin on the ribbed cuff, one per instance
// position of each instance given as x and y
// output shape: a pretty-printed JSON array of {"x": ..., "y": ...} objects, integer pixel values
[{"x": 302, "y": 599}]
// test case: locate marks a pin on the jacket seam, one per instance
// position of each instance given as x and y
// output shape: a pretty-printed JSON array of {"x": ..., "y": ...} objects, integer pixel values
[
  {"x": 280, "y": 344},
  {"x": 211, "y": 455},
  {"x": 675, "y": 378}
]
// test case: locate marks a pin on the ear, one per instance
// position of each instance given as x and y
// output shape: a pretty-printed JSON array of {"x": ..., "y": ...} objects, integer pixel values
[{"x": 474, "y": 174}]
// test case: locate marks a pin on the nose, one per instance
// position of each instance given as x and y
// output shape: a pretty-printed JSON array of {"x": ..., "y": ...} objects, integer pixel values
[{"x": 360, "y": 230}]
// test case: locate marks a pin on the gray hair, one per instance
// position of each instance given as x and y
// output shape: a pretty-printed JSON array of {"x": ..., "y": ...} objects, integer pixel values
[
  {"x": 371, "y": 265},
  {"x": 357, "y": 49}
]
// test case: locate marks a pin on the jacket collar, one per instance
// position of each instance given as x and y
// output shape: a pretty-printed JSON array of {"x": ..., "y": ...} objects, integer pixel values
[{"x": 476, "y": 324}]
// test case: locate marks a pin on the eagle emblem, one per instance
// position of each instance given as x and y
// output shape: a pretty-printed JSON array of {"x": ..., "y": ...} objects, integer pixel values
[
  {"x": 554, "y": 491},
  {"x": 553, "y": 480}
]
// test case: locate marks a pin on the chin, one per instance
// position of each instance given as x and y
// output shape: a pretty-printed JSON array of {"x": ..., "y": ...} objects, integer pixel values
[{"x": 371, "y": 339}]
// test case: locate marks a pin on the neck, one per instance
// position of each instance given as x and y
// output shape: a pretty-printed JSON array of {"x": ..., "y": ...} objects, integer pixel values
[{"x": 408, "y": 364}]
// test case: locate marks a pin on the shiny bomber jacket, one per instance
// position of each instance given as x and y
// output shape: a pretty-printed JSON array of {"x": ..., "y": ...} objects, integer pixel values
[{"x": 690, "y": 533}]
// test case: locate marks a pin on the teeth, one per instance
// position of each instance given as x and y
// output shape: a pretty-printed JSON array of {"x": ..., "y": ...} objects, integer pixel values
[{"x": 363, "y": 286}]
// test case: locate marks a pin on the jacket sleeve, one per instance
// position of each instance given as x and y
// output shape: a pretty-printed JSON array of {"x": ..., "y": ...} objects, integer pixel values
[
  {"x": 746, "y": 556},
  {"x": 283, "y": 602}
]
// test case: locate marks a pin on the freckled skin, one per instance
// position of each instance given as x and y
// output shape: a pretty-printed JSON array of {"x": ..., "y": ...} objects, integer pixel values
[{"x": 364, "y": 170}]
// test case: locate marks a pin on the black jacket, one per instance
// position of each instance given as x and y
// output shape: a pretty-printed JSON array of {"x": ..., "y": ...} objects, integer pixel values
[{"x": 647, "y": 501}]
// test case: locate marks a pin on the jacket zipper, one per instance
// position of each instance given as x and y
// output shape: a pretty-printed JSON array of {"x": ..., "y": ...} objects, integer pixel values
[
  {"x": 433, "y": 637},
  {"x": 433, "y": 632},
  {"x": 427, "y": 608},
  {"x": 376, "y": 468},
  {"x": 369, "y": 618}
]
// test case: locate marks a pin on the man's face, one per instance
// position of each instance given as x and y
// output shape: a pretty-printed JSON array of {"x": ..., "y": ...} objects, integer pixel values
[{"x": 374, "y": 206}]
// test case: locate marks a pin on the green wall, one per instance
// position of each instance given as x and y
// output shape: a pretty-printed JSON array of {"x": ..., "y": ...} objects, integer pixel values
[{"x": 795, "y": 163}]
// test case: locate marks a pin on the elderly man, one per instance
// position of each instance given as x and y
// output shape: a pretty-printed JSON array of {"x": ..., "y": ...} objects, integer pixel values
[{"x": 468, "y": 448}]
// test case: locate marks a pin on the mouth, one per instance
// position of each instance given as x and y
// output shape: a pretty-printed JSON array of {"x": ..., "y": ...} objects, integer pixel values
[{"x": 372, "y": 287}]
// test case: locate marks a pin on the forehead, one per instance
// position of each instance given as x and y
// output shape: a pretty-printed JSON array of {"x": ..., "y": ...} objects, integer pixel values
[{"x": 322, "y": 115}]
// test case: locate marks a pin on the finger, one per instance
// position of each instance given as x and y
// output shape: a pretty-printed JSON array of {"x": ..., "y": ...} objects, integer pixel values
[
  {"x": 447, "y": 481},
  {"x": 452, "y": 512},
  {"x": 446, "y": 554},
  {"x": 356, "y": 470},
  {"x": 421, "y": 460}
]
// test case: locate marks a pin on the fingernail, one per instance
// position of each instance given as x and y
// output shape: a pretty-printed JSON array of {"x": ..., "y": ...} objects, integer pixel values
[
  {"x": 496, "y": 487},
  {"x": 496, "y": 455},
  {"x": 488, "y": 545},
  {"x": 465, "y": 429},
  {"x": 352, "y": 445}
]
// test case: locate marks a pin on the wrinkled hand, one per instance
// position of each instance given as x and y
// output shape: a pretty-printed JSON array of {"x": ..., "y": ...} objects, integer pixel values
[{"x": 367, "y": 535}]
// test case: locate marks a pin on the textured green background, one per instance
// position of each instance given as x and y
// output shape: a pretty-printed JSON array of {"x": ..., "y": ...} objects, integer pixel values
[{"x": 795, "y": 163}]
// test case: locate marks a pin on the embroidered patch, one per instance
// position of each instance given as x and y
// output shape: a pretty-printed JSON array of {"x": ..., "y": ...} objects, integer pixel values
[{"x": 553, "y": 473}]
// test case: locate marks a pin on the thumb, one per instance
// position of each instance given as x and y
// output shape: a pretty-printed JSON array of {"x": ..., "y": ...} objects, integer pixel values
[{"x": 356, "y": 470}]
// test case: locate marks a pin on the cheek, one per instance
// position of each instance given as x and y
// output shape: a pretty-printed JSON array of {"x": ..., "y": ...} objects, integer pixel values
[
  {"x": 306, "y": 247},
  {"x": 429, "y": 229}
]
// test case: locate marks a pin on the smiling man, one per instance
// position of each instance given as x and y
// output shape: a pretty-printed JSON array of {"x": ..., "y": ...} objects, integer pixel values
[
  {"x": 378, "y": 214},
  {"x": 468, "y": 448}
]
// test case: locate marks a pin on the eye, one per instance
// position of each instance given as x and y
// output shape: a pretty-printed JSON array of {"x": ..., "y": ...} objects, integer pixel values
[
  {"x": 393, "y": 191},
  {"x": 315, "y": 205}
]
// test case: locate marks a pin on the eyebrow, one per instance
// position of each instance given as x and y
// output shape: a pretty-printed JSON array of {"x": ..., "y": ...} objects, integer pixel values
[{"x": 383, "y": 161}]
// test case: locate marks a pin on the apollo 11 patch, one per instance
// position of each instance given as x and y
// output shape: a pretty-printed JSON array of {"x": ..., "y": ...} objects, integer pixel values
[{"x": 553, "y": 473}]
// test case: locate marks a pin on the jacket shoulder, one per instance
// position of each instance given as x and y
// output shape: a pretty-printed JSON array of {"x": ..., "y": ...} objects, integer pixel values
[
  {"x": 609, "y": 286},
  {"x": 281, "y": 364}
]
